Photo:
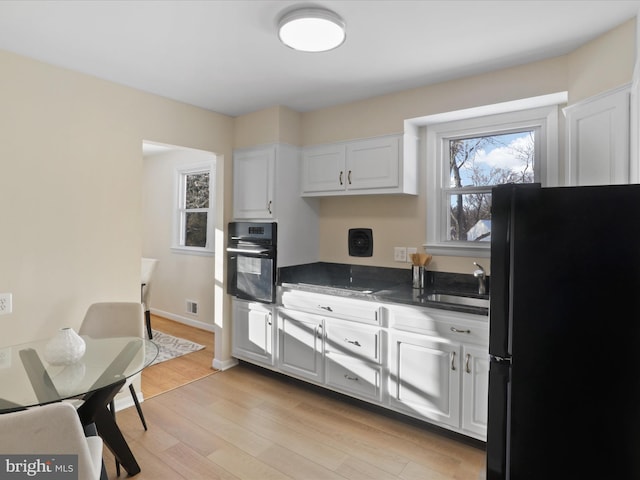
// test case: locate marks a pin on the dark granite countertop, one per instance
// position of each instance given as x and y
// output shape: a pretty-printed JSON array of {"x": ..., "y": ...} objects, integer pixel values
[{"x": 382, "y": 284}]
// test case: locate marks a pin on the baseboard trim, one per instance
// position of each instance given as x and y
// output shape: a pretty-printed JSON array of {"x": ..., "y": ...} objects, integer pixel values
[
  {"x": 185, "y": 320},
  {"x": 224, "y": 364}
]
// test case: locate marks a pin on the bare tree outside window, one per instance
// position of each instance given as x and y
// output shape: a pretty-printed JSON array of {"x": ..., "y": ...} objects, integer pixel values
[
  {"x": 195, "y": 209},
  {"x": 477, "y": 164}
]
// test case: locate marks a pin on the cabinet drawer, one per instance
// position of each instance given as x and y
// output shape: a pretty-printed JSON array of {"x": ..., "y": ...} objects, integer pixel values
[
  {"x": 353, "y": 340},
  {"x": 331, "y": 306},
  {"x": 463, "y": 327},
  {"x": 356, "y": 378}
]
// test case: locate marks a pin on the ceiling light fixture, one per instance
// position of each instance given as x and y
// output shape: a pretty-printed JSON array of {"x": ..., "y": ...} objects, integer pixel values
[{"x": 311, "y": 30}]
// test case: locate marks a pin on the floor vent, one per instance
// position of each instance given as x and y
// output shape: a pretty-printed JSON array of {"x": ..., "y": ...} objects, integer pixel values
[{"x": 192, "y": 307}]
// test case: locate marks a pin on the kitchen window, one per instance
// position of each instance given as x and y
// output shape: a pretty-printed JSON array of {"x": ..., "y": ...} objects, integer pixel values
[
  {"x": 194, "y": 213},
  {"x": 466, "y": 158}
]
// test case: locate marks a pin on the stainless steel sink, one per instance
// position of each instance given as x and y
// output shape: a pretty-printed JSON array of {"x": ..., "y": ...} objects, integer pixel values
[{"x": 458, "y": 299}]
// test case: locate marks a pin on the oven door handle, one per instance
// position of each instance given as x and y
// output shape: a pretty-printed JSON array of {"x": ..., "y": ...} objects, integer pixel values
[{"x": 255, "y": 253}]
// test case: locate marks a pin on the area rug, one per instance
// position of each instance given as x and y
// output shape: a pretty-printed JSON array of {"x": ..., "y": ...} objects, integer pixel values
[{"x": 171, "y": 347}]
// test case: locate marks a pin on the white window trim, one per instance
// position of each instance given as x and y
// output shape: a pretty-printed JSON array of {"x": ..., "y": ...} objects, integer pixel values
[
  {"x": 481, "y": 121},
  {"x": 209, "y": 249}
]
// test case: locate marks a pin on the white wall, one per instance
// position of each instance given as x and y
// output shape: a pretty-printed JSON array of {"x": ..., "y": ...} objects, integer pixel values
[{"x": 178, "y": 277}]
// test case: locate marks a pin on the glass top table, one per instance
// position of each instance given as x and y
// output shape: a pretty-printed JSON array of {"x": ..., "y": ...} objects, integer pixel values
[{"x": 27, "y": 379}]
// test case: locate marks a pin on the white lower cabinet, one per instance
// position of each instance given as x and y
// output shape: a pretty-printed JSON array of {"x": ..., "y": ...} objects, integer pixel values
[
  {"x": 253, "y": 332},
  {"x": 426, "y": 363},
  {"x": 439, "y": 367},
  {"x": 424, "y": 377},
  {"x": 300, "y": 344},
  {"x": 475, "y": 389}
]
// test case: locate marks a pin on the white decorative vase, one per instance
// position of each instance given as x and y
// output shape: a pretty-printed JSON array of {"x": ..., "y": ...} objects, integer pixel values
[{"x": 66, "y": 348}]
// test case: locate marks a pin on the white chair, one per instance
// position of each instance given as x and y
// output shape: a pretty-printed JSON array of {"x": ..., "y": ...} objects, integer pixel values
[
  {"x": 147, "y": 267},
  {"x": 116, "y": 319},
  {"x": 50, "y": 430}
]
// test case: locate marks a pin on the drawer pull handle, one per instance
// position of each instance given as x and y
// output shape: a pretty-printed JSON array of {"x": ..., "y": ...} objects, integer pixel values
[
  {"x": 353, "y": 379},
  {"x": 327, "y": 308},
  {"x": 349, "y": 177},
  {"x": 453, "y": 361},
  {"x": 353, "y": 342},
  {"x": 467, "y": 366},
  {"x": 341, "y": 178},
  {"x": 457, "y": 330}
]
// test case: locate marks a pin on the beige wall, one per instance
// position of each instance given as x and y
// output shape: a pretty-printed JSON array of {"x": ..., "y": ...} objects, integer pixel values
[
  {"x": 70, "y": 189},
  {"x": 272, "y": 125},
  {"x": 602, "y": 64}
]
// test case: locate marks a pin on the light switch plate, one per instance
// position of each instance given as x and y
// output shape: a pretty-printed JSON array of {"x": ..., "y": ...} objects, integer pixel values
[
  {"x": 5, "y": 303},
  {"x": 400, "y": 254}
]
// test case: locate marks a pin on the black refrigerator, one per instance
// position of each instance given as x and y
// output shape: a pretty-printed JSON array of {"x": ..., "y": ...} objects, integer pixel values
[{"x": 564, "y": 377}]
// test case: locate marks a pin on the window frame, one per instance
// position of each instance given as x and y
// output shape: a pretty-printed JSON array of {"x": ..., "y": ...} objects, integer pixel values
[
  {"x": 544, "y": 120},
  {"x": 180, "y": 210}
]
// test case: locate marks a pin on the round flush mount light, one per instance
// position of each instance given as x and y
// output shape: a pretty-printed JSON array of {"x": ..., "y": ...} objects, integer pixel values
[{"x": 311, "y": 30}]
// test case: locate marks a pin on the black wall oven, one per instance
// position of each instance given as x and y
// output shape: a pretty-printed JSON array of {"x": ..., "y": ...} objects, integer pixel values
[{"x": 251, "y": 261}]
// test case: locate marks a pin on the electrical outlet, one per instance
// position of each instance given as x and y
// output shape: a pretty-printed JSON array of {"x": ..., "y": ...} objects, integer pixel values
[
  {"x": 5, "y": 303},
  {"x": 400, "y": 254},
  {"x": 411, "y": 251}
]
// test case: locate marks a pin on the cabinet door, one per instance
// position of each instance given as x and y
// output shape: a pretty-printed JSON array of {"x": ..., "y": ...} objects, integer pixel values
[
  {"x": 424, "y": 377},
  {"x": 373, "y": 163},
  {"x": 475, "y": 388},
  {"x": 323, "y": 169},
  {"x": 598, "y": 140},
  {"x": 300, "y": 340},
  {"x": 253, "y": 183},
  {"x": 252, "y": 334}
]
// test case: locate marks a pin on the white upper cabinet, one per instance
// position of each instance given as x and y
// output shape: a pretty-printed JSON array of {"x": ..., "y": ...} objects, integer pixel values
[
  {"x": 371, "y": 166},
  {"x": 598, "y": 139},
  {"x": 254, "y": 183}
]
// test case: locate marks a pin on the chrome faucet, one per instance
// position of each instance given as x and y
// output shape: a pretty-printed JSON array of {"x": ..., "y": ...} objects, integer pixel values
[{"x": 482, "y": 278}]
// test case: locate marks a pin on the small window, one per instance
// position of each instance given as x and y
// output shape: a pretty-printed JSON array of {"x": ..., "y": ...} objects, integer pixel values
[
  {"x": 467, "y": 158},
  {"x": 194, "y": 212},
  {"x": 476, "y": 164}
]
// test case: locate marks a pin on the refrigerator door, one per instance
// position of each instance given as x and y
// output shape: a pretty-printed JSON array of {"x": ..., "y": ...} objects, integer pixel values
[{"x": 572, "y": 331}]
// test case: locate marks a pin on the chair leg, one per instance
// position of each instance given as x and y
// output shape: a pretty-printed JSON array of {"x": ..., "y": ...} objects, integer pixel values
[
  {"x": 147, "y": 316},
  {"x": 135, "y": 400},
  {"x": 112, "y": 407}
]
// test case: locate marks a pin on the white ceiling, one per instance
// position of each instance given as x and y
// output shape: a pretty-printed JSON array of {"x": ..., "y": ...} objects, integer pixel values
[{"x": 225, "y": 56}]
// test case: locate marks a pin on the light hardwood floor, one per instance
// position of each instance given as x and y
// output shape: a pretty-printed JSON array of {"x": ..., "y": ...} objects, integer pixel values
[
  {"x": 245, "y": 423},
  {"x": 174, "y": 373}
]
